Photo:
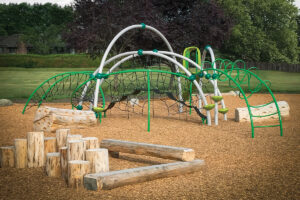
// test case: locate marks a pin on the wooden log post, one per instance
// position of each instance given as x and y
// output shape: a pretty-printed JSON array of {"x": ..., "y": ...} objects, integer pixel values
[
  {"x": 73, "y": 137},
  {"x": 161, "y": 151},
  {"x": 50, "y": 119},
  {"x": 35, "y": 149},
  {"x": 49, "y": 145},
  {"x": 91, "y": 142},
  {"x": 76, "y": 150},
  {"x": 7, "y": 156},
  {"x": 76, "y": 171},
  {"x": 98, "y": 159},
  {"x": 113, "y": 179},
  {"x": 53, "y": 168},
  {"x": 63, "y": 151},
  {"x": 61, "y": 137},
  {"x": 242, "y": 114},
  {"x": 20, "y": 153}
]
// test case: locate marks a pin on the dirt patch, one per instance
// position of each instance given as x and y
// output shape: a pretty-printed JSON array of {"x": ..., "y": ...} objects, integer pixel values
[{"x": 237, "y": 166}]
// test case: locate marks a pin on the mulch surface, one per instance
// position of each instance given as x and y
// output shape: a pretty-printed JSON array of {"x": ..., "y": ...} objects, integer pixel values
[{"x": 237, "y": 166}]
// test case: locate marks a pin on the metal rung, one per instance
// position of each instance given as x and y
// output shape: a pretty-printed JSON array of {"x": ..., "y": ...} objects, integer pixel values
[
  {"x": 266, "y": 126},
  {"x": 262, "y": 105},
  {"x": 265, "y": 115}
]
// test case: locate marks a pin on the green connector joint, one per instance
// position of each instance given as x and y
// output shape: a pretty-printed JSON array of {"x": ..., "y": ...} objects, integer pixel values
[
  {"x": 140, "y": 52},
  {"x": 143, "y": 25},
  {"x": 100, "y": 76},
  {"x": 79, "y": 107},
  {"x": 155, "y": 50},
  {"x": 207, "y": 76},
  {"x": 201, "y": 74},
  {"x": 192, "y": 77},
  {"x": 215, "y": 76},
  {"x": 207, "y": 46},
  {"x": 92, "y": 76}
]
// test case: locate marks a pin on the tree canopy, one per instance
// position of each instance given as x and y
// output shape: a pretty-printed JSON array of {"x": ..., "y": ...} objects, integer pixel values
[
  {"x": 41, "y": 25},
  {"x": 184, "y": 23},
  {"x": 265, "y": 30}
]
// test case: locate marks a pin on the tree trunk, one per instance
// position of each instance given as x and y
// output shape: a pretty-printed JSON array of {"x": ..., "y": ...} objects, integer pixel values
[
  {"x": 64, "y": 162},
  {"x": 53, "y": 165},
  {"x": 7, "y": 156},
  {"x": 76, "y": 150},
  {"x": 98, "y": 159},
  {"x": 35, "y": 149},
  {"x": 61, "y": 137},
  {"x": 91, "y": 142},
  {"x": 76, "y": 170},
  {"x": 20, "y": 153},
  {"x": 73, "y": 137},
  {"x": 50, "y": 146},
  {"x": 50, "y": 119}
]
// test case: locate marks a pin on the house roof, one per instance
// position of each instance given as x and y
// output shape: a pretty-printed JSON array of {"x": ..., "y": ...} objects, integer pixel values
[{"x": 10, "y": 41}]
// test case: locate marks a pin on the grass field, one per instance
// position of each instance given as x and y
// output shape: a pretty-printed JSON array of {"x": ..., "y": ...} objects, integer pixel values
[{"x": 19, "y": 83}]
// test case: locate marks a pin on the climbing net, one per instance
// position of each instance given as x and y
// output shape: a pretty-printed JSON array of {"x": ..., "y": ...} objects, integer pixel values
[
  {"x": 56, "y": 88},
  {"x": 128, "y": 90}
]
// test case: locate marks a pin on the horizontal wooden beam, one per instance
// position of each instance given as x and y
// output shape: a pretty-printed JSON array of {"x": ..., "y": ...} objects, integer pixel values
[
  {"x": 161, "y": 151},
  {"x": 113, "y": 179}
]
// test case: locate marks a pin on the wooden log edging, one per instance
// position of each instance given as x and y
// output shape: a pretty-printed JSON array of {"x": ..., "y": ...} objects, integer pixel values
[
  {"x": 113, "y": 179},
  {"x": 161, "y": 151}
]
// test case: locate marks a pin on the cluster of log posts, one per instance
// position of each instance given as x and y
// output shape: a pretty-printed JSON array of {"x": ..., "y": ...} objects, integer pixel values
[
  {"x": 61, "y": 156},
  {"x": 80, "y": 161}
]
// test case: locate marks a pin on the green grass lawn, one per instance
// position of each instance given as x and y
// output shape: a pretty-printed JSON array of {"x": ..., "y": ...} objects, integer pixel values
[{"x": 19, "y": 83}]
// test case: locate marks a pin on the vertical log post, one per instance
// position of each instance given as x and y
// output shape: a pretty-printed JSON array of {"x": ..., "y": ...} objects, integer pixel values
[
  {"x": 64, "y": 162},
  {"x": 53, "y": 165},
  {"x": 91, "y": 142},
  {"x": 76, "y": 170},
  {"x": 76, "y": 150},
  {"x": 7, "y": 156},
  {"x": 50, "y": 146},
  {"x": 98, "y": 159},
  {"x": 61, "y": 137},
  {"x": 20, "y": 153},
  {"x": 35, "y": 149},
  {"x": 73, "y": 137}
]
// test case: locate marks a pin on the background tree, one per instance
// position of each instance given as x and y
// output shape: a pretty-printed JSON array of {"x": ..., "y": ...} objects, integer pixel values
[
  {"x": 265, "y": 30},
  {"x": 41, "y": 25},
  {"x": 184, "y": 23}
]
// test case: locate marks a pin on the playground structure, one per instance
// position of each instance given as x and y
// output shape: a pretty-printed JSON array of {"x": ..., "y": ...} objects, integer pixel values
[{"x": 156, "y": 75}]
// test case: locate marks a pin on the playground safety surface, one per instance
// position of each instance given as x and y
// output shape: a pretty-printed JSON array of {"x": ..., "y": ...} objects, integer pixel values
[{"x": 237, "y": 166}]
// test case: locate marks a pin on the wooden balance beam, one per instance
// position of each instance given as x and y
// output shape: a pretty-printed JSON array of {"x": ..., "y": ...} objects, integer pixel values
[
  {"x": 113, "y": 179},
  {"x": 161, "y": 151}
]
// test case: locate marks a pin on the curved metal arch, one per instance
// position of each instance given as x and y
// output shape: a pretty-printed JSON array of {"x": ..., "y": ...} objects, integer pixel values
[
  {"x": 246, "y": 98},
  {"x": 187, "y": 72},
  {"x": 100, "y": 68}
]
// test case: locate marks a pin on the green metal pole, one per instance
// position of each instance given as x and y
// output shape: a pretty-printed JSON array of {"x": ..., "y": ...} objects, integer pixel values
[
  {"x": 148, "y": 81},
  {"x": 191, "y": 90}
]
